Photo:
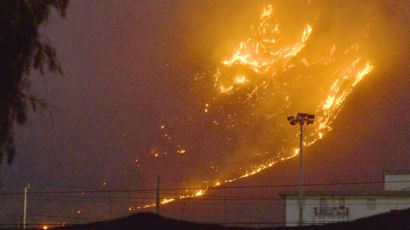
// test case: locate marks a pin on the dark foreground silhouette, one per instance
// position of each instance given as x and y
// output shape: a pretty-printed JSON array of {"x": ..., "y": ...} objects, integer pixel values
[{"x": 397, "y": 220}]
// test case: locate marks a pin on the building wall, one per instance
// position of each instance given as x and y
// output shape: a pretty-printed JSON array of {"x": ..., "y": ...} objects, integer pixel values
[
  {"x": 392, "y": 182},
  {"x": 357, "y": 207}
]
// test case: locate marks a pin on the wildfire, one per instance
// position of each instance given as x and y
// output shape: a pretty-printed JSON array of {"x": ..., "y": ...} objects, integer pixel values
[{"x": 263, "y": 80}]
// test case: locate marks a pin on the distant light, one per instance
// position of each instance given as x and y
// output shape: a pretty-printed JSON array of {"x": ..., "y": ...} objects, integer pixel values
[{"x": 45, "y": 227}]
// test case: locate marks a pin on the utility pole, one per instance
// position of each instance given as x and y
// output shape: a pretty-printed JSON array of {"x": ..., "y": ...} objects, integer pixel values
[
  {"x": 301, "y": 118},
  {"x": 25, "y": 205},
  {"x": 110, "y": 207},
  {"x": 158, "y": 201}
]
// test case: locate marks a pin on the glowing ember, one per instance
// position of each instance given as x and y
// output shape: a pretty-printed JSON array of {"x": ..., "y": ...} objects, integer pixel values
[
  {"x": 199, "y": 193},
  {"x": 181, "y": 151}
]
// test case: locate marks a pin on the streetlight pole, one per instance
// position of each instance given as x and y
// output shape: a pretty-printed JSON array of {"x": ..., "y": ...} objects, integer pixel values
[
  {"x": 301, "y": 203},
  {"x": 25, "y": 206},
  {"x": 301, "y": 118}
]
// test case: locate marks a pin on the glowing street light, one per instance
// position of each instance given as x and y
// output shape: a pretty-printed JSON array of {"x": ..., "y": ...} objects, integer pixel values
[{"x": 301, "y": 119}]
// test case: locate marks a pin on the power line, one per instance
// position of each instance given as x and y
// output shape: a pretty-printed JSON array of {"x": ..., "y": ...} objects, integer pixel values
[
  {"x": 60, "y": 217},
  {"x": 203, "y": 188},
  {"x": 198, "y": 201}
]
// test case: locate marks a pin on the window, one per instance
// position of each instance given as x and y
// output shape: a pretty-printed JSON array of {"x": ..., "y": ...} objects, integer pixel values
[{"x": 371, "y": 203}]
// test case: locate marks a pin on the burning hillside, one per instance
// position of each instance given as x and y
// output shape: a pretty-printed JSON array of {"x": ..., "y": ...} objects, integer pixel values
[{"x": 308, "y": 60}]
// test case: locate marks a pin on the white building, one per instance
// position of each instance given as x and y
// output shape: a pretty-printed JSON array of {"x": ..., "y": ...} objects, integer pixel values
[{"x": 333, "y": 206}]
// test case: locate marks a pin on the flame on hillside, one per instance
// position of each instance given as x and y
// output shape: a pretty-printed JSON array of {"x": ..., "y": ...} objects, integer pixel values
[{"x": 271, "y": 74}]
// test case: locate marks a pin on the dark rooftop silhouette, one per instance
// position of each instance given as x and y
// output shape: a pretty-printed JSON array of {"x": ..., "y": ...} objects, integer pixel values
[{"x": 398, "y": 220}]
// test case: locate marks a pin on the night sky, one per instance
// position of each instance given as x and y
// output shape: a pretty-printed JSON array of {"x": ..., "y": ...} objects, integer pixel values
[{"x": 127, "y": 69}]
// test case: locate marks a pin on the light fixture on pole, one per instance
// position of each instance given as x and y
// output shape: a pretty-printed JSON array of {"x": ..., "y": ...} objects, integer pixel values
[{"x": 301, "y": 119}]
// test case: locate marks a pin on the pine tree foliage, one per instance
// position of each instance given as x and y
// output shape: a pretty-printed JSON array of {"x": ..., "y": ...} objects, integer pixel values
[{"x": 23, "y": 50}]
